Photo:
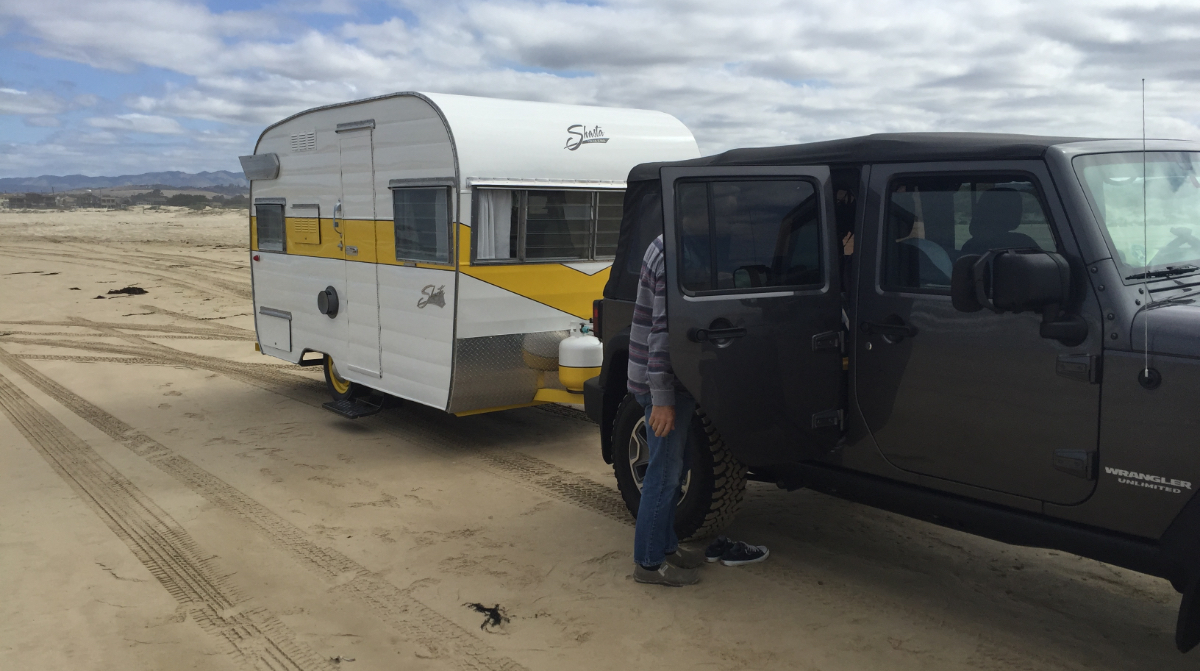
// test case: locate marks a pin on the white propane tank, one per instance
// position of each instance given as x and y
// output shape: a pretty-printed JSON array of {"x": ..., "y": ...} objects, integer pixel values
[{"x": 579, "y": 359}]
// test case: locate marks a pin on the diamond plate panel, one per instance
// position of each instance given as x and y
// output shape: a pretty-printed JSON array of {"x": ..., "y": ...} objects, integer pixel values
[{"x": 497, "y": 371}]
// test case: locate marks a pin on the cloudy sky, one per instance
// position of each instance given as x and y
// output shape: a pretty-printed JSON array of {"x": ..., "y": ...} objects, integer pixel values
[{"x": 127, "y": 86}]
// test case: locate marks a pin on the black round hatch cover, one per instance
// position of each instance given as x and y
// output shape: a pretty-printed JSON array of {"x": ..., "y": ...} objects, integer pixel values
[{"x": 327, "y": 302}]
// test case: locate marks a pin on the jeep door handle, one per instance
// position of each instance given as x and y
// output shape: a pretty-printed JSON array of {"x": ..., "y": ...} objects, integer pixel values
[
  {"x": 891, "y": 330},
  {"x": 711, "y": 334}
]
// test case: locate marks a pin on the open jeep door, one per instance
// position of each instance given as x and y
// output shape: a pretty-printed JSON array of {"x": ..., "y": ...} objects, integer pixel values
[{"x": 754, "y": 305}]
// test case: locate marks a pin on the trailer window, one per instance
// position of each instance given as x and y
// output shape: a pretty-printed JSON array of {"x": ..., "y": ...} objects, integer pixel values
[
  {"x": 609, "y": 206},
  {"x": 422, "y": 220},
  {"x": 497, "y": 222},
  {"x": 546, "y": 225},
  {"x": 269, "y": 219}
]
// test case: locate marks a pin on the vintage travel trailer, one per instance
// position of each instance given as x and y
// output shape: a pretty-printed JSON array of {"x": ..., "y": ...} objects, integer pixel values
[{"x": 440, "y": 248}]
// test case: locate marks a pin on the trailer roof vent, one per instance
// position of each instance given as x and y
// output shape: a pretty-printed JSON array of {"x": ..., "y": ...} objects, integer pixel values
[{"x": 304, "y": 141}]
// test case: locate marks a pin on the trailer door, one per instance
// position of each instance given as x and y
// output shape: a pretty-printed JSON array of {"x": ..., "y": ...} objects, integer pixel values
[
  {"x": 754, "y": 305},
  {"x": 356, "y": 225}
]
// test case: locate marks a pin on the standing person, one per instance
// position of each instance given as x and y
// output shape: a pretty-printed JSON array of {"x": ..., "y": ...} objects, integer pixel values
[{"x": 669, "y": 407}]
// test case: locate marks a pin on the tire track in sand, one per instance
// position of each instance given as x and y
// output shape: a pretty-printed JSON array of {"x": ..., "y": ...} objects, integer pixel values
[
  {"x": 399, "y": 608},
  {"x": 528, "y": 472},
  {"x": 207, "y": 286},
  {"x": 255, "y": 638},
  {"x": 196, "y": 336},
  {"x": 208, "y": 329}
]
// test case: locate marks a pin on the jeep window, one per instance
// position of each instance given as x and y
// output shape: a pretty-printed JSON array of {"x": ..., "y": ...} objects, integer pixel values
[
  {"x": 270, "y": 228},
  {"x": 748, "y": 235},
  {"x": 1167, "y": 219},
  {"x": 422, "y": 221},
  {"x": 933, "y": 220},
  {"x": 544, "y": 225}
]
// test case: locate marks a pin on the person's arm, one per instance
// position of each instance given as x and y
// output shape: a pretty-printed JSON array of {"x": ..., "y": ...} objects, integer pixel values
[{"x": 659, "y": 373}]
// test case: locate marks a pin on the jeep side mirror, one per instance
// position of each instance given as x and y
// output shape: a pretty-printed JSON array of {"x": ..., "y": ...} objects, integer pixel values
[
  {"x": 1010, "y": 280},
  {"x": 1016, "y": 280}
]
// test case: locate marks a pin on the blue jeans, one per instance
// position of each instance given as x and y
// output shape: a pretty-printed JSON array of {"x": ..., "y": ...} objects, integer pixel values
[{"x": 655, "y": 536}]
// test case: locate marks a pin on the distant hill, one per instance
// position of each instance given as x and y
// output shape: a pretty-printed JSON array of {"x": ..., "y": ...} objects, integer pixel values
[{"x": 172, "y": 179}]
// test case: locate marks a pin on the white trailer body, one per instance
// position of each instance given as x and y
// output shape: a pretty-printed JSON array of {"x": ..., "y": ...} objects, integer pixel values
[{"x": 459, "y": 238}]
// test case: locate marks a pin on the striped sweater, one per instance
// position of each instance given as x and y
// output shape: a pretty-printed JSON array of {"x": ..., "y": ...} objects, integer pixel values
[{"x": 649, "y": 358}]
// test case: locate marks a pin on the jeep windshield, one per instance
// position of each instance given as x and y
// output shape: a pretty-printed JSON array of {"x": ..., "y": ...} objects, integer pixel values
[{"x": 1158, "y": 210}]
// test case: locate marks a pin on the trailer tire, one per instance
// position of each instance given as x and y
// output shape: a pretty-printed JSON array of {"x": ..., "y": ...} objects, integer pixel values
[
  {"x": 339, "y": 389},
  {"x": 716, "y": 482}
]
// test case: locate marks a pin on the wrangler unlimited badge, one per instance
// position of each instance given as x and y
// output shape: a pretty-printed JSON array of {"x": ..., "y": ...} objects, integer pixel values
[{"x": 1149, "y": 481}]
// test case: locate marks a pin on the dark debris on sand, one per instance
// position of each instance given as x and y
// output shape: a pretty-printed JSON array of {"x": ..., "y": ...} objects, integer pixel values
[{"x": 492, "y": 617}]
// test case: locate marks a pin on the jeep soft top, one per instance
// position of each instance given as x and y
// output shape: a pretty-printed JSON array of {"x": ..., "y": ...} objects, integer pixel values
[{"x": 1011, "y": 349}]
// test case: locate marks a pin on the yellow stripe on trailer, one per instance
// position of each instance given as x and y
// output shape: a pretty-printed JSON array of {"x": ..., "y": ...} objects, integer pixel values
[{"x": 552, "y": 284}]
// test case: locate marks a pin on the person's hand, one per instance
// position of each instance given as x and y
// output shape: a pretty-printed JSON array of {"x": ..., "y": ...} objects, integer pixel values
[
  {"x": 848, "y": 244},
  {"x": 662, "y": 420}
]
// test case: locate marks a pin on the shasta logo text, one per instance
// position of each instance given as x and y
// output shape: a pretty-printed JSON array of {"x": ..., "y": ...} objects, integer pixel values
[
  {"x": 433, "y": 296},
  {"x": 579, "y": 136}
]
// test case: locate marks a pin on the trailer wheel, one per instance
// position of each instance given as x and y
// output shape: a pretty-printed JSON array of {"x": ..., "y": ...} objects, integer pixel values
[
  {"x": 714, "y": 484},
  {"x": 339, "y": 388}
]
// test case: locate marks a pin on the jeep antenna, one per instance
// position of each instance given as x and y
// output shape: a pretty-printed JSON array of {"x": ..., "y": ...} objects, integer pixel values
[{"x": 1145, "y": 249}]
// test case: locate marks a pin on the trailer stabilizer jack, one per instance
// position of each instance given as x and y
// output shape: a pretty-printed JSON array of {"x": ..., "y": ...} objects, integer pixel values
[{"x": 355, "y": 408}]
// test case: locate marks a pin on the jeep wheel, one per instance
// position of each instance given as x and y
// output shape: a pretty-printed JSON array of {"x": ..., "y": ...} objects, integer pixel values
[{"x": 713, "y": 486}]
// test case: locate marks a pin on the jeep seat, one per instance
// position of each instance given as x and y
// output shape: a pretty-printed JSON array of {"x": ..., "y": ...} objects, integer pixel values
[{"x": 994, "y": 223}]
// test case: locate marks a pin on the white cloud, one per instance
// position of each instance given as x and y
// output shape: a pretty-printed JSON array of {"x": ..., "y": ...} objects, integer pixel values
[
  {"x": 138, "y": 123},
  {"x": 16, "y": 101},
  {"x": 738, "y": 74}
]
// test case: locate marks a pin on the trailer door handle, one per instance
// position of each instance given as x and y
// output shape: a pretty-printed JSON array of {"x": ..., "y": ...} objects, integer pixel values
[{"x": 714, "y": 335}]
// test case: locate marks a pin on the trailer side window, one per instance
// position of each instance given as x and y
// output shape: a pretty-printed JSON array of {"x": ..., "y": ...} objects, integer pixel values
[
  {"x": 748, "y": 235},
  {"x": 498, "y": 220},
  {"x": 269, "y": 220},
  {"x": 422, "y": 220},
  {"x": 546, "y": 225},
  {"x": 609, "y": 206},
  {"x": 557, "y": 224}
]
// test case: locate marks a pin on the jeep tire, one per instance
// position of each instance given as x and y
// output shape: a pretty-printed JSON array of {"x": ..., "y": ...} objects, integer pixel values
[{"x": 715, "y": 484}]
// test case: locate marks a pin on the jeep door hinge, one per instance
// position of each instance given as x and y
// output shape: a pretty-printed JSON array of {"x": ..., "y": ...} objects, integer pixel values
[
  {"x": 1081, "y": 367},
  {"x": 826, "y": 419},
  {"x": 1080, "y": 463},
  {"x": 827, "y": 340}
]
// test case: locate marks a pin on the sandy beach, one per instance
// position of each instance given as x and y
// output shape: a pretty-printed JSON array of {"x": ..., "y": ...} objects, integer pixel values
[{"x": 174, "y": 500}]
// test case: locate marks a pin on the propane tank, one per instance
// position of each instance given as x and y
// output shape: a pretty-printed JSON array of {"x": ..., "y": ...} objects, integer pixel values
[
  {"x": 579, "y": 359},
  {"x": 540, "y": 350}
]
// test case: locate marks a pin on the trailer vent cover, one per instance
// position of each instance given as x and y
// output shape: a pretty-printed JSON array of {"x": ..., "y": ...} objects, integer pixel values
[{"x": 305, "y": 141}]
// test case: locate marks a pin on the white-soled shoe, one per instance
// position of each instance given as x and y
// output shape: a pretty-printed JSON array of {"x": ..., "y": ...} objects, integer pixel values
[
  {"x": 671, "y": 576},
  {"x": 744, "y": 553}
]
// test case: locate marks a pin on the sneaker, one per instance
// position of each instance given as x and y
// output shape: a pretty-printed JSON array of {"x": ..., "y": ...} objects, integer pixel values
[
  {"x": 744, "y": 553},
  {"x": 717, "y": 548},
  {"x": 671, "y": 576},
  {"x": 684, "y": 557}
]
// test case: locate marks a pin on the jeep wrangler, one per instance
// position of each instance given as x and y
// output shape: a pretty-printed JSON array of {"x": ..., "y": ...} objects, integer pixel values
[{"x": 1012, "y": 349}]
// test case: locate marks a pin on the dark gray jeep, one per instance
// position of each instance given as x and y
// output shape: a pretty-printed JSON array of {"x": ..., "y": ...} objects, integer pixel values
[{"x": 1012, "y": 349}]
